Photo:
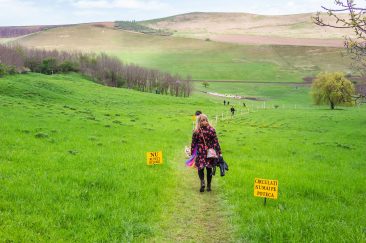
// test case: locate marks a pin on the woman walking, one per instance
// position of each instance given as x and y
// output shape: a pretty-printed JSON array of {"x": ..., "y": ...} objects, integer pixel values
[{"x": 208, "y": 147}]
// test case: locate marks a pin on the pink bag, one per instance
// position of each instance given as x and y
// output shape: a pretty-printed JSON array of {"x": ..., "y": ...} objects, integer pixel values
[{"x": 211, "y": 153}]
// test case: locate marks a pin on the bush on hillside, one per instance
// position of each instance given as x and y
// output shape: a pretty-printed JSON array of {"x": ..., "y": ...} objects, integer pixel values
[
  {"x": 49, "y": 66},
  {"x": 33, "y": 64},
  {"x": 5, "y": 69},
  {"x": 12, "y": 70},
  {"x": 136, "y": 27},
  {"x": 69, "y": 66}
]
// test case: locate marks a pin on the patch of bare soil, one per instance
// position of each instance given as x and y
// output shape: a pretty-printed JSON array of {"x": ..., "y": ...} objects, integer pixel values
[
  {"x": 269, "y": 40},
  {"x": 243, "y": 28},
  {"x": 103, "y": 24},
  {"x": 235, "y": 96}
]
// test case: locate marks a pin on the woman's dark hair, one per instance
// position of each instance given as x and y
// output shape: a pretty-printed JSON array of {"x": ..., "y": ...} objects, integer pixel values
[{"x": 198, "y": 113}]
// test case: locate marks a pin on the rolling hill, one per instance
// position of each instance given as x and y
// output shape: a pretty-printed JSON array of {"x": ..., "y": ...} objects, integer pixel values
[
  {"x": 244, "y": 28},
  {"x": 211, "y": 46},
  {"x": 203, "y": 60},
  {"x": 240, "y": 28}
]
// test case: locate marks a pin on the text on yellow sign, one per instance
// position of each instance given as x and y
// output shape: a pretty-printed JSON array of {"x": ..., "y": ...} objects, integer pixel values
[
  {"x": 154, "y": 158},
  {"x": 266, "y": 188}
]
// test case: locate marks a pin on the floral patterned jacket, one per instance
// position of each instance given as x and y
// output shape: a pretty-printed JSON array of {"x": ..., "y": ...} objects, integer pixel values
[{"x": 211, "y": 140}]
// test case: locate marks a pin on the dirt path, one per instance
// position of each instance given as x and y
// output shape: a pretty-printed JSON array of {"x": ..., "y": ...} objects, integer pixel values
[
  {"x": 234, "y": 96},
  {"x": 252, "y": 82},
  {"x": 272, "y": 40},
  {"x": 199, "y": 217}
]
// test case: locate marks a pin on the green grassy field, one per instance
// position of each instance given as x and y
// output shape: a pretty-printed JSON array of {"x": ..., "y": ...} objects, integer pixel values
[
  {"x": 318, "y": 158},
  {"x": 205, "y": 60},
  {"x": 73, "y": 165}
]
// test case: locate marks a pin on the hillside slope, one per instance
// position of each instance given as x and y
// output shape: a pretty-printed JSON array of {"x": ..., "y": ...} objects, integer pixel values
[
  {"x": 201, "y": 59},
  {"x": 73, "y": 160},
  {"x": 242, "y": 27}
]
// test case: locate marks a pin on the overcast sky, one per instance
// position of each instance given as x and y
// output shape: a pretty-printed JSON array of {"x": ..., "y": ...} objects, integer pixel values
[{"x": 43, "y": 12}]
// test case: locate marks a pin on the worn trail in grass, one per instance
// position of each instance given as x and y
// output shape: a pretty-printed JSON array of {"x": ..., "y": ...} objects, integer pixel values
[{"x": 196, "y": 216}]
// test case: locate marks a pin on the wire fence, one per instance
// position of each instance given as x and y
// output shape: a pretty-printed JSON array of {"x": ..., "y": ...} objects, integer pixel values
[{"x": 226, "y": 114}]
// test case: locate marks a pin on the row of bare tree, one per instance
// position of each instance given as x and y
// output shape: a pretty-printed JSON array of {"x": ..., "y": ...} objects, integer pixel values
[
  {"x": 14, "y": 31},
  {"x": 101, "y": 68}
]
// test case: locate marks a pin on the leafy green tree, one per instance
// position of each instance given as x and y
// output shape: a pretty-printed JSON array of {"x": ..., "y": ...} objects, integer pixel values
[{"x": 332, "y": 89}]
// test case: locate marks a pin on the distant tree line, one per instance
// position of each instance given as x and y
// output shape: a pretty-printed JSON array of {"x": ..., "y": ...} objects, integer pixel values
[
  {"x": 15, "y": 31},
  {"x": 101, "y": 68},
  {"x": 136, "y": 27}
]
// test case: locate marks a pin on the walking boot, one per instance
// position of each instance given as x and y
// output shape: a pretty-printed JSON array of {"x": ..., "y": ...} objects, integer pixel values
[
  {"x": 208, "y": 187},
  {"x": 209, "y": 179},
  {"x": 202, "y": 189}
]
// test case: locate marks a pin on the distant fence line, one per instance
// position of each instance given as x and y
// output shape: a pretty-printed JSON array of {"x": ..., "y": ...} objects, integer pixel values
[{"x": 218, "y": 116}]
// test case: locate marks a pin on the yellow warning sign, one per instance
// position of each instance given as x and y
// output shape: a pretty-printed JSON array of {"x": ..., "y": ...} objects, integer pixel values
[
  {"x": 266, "y": 188},
  {"x": 154, "y": 158}
]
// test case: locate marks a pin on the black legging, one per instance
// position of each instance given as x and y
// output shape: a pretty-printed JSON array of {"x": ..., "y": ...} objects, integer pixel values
[{"x": 201, "y": 174}]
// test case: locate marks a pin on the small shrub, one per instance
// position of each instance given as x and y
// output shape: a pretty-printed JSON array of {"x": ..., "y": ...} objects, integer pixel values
[
  {"x": 49, "y": 66},
  {"x": 41, "y": 135},
  {"x": 73, "y": 152},
  {"x": 12, "y": 70},
  {"x": 33, "y": 64},
  {"x": 205, "y": 84},
  {"x": 3, "y": 69},
  {"x": 69, "y": 66}
]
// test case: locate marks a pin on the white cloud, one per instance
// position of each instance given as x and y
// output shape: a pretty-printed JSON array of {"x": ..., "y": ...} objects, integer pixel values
[
  {"x": 32, "y": 12},
  {"x": 290, "y": 4},
  {"x": 15, "y": 11},
  {"x": 90, "y": 4},
  {"x": 121, "y": 4},
  {"x": 89, "y": 13}
]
